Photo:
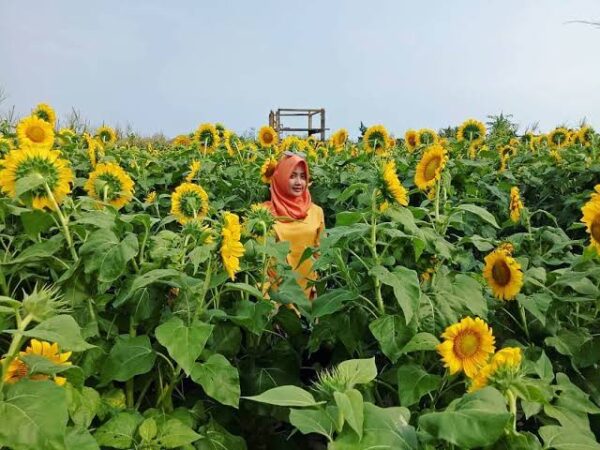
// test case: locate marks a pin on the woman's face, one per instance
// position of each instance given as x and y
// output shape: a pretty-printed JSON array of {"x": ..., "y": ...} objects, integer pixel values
[{"x": 298, "y": 181}]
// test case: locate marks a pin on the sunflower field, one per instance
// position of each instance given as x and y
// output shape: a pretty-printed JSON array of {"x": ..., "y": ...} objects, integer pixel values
[{"x": 146, "y": 304}]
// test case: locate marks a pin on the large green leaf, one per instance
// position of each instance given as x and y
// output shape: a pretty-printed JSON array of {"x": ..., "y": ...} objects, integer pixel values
[
  {"x": 253, "y": 316},
  {"x": 331, "y": 301},
  {"x": 184, "y": 343},
  {"x": 358, "y": 371},
  {"x": 414, "y": 382},
  {"x": 286, "y": 396},
  {"x": 174, "y": 433},
  {"x": 119, "y": 431},
  {"x": 130, "y": 356},
  {"x": 105, "y": 253},
  {"x": 80, "y": 439},
  {"x": 219, "y": 379},
  {"x": 61, "y": 329},
  {"x": 480, "y": 212},
  {"x": 476, "y": 420},
  {"x": 170, "y": 277},
  {"x": 312, "y": 421},
  {"x": 383, "y": 429},
  {"x": 393, "y": 334},
  {"x": 215, "y": 437},
  {"x": 565, "y": 438},
  {"x": 33, "y": 415},
  {"x": 405, "y": 283},
  {"x": 350, "y": 404}
]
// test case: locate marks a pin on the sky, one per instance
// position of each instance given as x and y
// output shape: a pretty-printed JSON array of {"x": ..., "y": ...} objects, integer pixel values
[{"x": 167, "y": 66}]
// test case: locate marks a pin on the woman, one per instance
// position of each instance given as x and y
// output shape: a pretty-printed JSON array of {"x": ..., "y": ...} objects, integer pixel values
[{"x": 298, "y": 220}]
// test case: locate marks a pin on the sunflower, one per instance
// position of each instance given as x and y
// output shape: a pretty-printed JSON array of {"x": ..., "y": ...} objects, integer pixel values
[
  {"x": 410, "y": 139},
  {"x": 35, "y": 132},
  {"x": 232, "y": 143},
  {"x": 471, "y": 130},
  {"x": 189, "y": 202},
  {"x": 31, "y": 161},
  {"x": 267, "y": 170},
  {"x": 92, "y": 148},
  {"x": 426, "y": 136},
  {"x": 67, "y": 132},
  {"x": 503, "y": 274},
  {"x": 339, "y": 138},
  {"x": 429, "y": 169},
  {"x": 393, "y": 186},
  {"x": 591, "y": 218},
  {"x": 250, "y": 151},
  {"x": 258, "y": 222},
  {"x": 106, "y": 135},
  {"x": 181, "y": 141},
  {"x": 528, "y": 139},
  {"x": 558, "y": 138},
  {"x": 231, "y": 247},
  {"x": 46, "y": 113},
  {"x": 208, "y": 137},
  {"x": 110, "y": 183},
  {"x": 293, "y": 143},
  {"x": 516, "y": 205},
  {"x": 585, "y": 135},
  {"x": 6, "y": 145},
  {"x": 504, "y": 362},
  {"x": 375, "y": 139},
  {"x": 150, "y": 198},
  {"x": 267, "y": 137},
  {"x": 194, "y": 169},
  {"x": 467, "y": 346},
  {"x": 18, "y": 369}
]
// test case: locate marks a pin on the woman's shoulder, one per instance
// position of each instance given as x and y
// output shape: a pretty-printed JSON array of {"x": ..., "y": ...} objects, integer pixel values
[{"x": 315, "y": 209}]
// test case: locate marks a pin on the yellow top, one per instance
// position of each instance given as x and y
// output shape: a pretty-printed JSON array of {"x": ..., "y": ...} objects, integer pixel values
[{"x": 302, "y": 234}]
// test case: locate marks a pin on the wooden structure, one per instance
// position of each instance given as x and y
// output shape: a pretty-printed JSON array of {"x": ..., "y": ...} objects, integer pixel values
[{"x": 314, "y": 117}]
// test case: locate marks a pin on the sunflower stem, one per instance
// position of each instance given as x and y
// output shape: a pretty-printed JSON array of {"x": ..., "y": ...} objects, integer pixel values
[
  {"x": 524, "y": 322},
  {"x": 64, "y": 222},
  {"x": 512, "y": 403},
  {"x": 129, "y": 383},
  {"x": 373, "y": 247},
  {"x": 200, "y": 307}
]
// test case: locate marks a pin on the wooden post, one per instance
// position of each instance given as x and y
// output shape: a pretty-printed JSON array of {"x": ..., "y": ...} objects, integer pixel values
[{"x": 323, "y": 124}]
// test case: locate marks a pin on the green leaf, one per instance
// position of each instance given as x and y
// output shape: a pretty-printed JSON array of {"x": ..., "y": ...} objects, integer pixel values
[
  {"x": 467, "y": 291},
  {"x": 312, "y": 421},
  {"x": 130, "y": 356},
  {"x": 43, "y": 365},
  {"x": 36, "y": 222},
  {"x": 350, "y": 403},
  {"x": 83, "y": 405},
  {"x": 253, "y": 316},
  {"x": 383, "y": 428},
  {"x": 286, "y": 396},
  {"x": 567, "y": 342},
  {"x": 174, "y": 433},
  {"x": 119, "y": 431},
  {"x": 358, "y": 371},
  {"x": 219, "y": 379},
  {"x": 564, "y": 438},
  {"x": 33, "y": 415},
  {"x": 106, "y": 254},
  {"x": 184, "y": 344},
  {"x": 148, "y": 429},
  {"x": 80, "y": 439},
  {"x": 247, "y": 288},
  {"x": 331, "y": 301},
  {"x": 420, "y": 342},
  {"x": 215, "y": 437},
  {"x": 28, "y": 183},
  {"x": 476, "y": 420},
  {"x": 165, "y": 276},
  {"x": 61, "y": 329},
  {"x": 346, "y": 218},
  {"x": 392, "y": 334},
  {"x": 479, "y": 211},
  {"x": 405, "y": 283},
  {"x": 414, "y": 383}
]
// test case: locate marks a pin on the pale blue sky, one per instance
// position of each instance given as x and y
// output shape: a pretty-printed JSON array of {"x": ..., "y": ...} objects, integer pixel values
[{"x": 166, "y": 66}]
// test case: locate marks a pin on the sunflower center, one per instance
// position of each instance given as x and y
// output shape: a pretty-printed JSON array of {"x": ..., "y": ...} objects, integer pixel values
[
  {"x": 501, "y": 272},
  {"x": 36, "y": 133},
  {"x": 466, "y": 345},
  {"x": 412, "y": 140},
  {"x": 431, "y": 168},
  {"x": 268, "y": 138},
  {"x": 595, "y": 229}
]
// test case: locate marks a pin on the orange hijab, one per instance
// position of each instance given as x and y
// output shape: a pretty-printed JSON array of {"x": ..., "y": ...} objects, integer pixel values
[{"x": 283, "y": 203}]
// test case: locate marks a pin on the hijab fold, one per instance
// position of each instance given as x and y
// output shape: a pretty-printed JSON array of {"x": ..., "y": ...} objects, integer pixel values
[{"x": 283, "y": 202}]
